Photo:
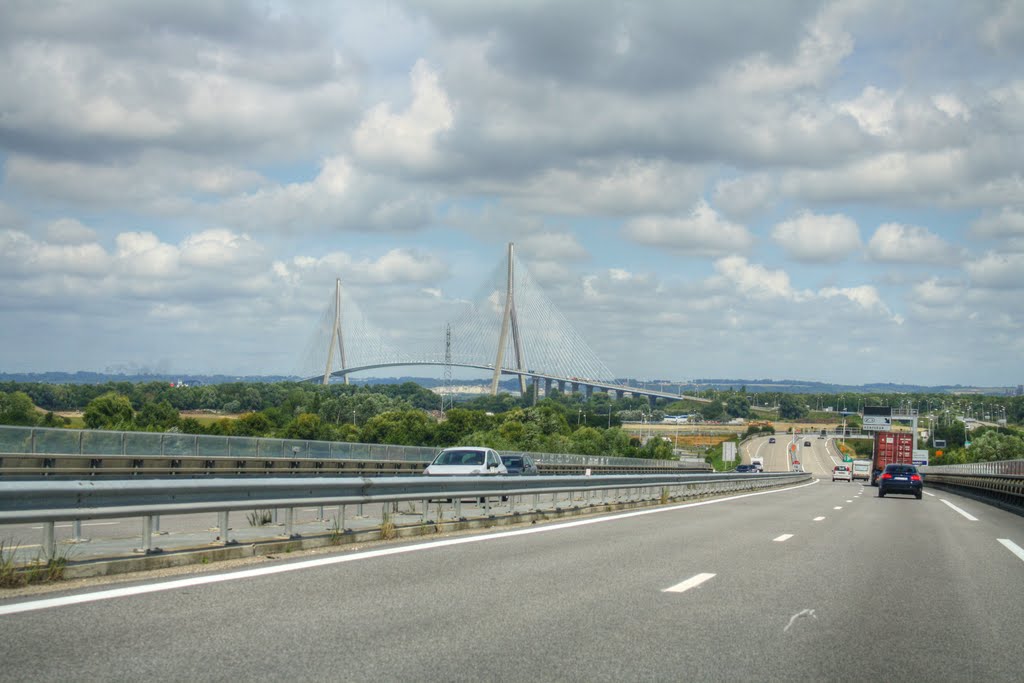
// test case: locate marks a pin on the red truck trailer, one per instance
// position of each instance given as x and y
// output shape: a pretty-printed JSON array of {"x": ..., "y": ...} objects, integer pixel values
[{"x": 891, "y": 448}]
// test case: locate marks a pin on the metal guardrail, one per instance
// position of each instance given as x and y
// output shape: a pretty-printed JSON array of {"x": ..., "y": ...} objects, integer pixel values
[
  {"x": 999, "y": 483},
  {"x": 21, "y": 465},
  {"x": 101, "y": 443},
  {"x": 55, "y": 501}
]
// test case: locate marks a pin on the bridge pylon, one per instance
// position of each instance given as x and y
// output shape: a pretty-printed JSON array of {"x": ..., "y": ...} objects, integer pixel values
[
  {"x": 509, "y": 319},
  {"x": 336, "y": 335}
]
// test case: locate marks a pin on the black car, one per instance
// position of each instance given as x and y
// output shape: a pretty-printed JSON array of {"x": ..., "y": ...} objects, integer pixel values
[
  {"x": 745, "y": 469},
  {"x": 520, "y": 464},
  {"x": 900, "y": 479}
]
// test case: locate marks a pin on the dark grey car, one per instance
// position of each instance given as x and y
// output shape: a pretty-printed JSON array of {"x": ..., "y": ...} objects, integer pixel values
[{"x": 520, "y": 464}]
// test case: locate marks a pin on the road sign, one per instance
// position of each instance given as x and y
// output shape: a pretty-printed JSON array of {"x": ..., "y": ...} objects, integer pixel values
[{"x": 728, "y": 451}]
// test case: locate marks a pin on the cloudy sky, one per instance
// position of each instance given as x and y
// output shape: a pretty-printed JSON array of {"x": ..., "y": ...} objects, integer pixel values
[{"x": 778, "y": 189}]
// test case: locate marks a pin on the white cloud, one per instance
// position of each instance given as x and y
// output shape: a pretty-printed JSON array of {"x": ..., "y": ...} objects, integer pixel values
[
  {"x": 823, "y": 46},
  {"x": 339, "y": 198},
  {"x": 755, "y": 280},
  {"x": 703, "y": 232},
  {"x": 617, "y": 188},
  {"x": 69, "y": 231},
  {"x": 873, "y": 109},
  {"x": 1009, "y": 222},
  {"x": 896, "y": 243},
  {"x": 746, "y": 196},
  {"x": 408, "y": 139},
  {"x": 997, "y": 271},
  {"x": 816, "y": 238},
  {"x": 547, "y": 246}
]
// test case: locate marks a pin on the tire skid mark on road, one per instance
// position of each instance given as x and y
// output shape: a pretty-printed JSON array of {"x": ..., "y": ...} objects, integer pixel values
[{"x": 798, "y": 615}]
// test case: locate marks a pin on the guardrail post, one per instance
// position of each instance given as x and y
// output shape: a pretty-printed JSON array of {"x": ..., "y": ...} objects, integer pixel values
[
  {"x": 320, "y": 514},
  {"x": 222, "y": 523},
  {"x": 458, "y": 508},
  {"x": 147, "y": 537},
  {"x": 341, "y": 518},
  {"x": 156, "y": 526},
  {"x": 76, "y": 532},
  {"x": 49, "y": 541},
  {"x": 426, "y": 506},
  {"x": 536, "y": 502},
  {"x": 289, "y": 523}
]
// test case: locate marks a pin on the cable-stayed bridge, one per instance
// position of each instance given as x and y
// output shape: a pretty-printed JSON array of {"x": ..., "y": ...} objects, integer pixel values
[{"x": 510, "y": 328}]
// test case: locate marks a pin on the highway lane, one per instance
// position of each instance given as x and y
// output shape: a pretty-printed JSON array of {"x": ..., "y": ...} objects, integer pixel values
[{"x": 801, "y": 583}]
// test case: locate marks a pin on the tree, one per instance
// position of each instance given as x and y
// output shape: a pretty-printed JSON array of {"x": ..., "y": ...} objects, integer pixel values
[
  {"x": 307, "y": 427},
  {"x": 253, "y": 424},
  {"x": 791, "y": 408},
  {"x": 407, "y": 428},
  {"x": 109, "y": 411},
  {"x": 737, "y": 406},
  {"x": 17, "y": 409},
  {"x": 157, "y": 416}
]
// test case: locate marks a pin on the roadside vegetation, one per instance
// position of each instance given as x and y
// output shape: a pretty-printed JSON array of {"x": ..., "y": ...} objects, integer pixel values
[{"x": 408, "y": 414}]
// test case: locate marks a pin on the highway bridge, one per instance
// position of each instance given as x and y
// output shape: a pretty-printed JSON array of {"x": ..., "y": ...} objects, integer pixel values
[{"x": 810, "y": 581}]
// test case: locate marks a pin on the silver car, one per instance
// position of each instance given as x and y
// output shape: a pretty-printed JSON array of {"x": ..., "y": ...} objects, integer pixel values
[{"x": 466, "y": 461}]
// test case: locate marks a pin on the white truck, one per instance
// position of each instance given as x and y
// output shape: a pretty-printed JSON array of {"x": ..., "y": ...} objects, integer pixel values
[{"x": 758, "y": 462}]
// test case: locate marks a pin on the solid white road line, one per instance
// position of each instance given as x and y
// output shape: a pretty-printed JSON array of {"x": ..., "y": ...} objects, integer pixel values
[
  {"x": 965, "y": 514},
  {"x": 33, "y": 605},
  {"x": 691, "y": 582},
  {"x": 818, "y": 519},
  {"x": 783, "y": 538},
  {"x": 1012, "y": 547},
  {"x": 838, "y": 507}
]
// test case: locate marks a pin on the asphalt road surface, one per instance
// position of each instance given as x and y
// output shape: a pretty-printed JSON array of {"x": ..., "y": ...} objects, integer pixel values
[{"x": 821, "y": 582}]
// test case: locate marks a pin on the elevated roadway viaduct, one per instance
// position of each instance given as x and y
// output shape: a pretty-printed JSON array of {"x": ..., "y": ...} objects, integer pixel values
[{"x": 564, "y": 384}]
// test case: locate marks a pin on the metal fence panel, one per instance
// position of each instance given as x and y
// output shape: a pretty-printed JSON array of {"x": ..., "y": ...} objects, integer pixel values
[{"x": 102, "y": 443}]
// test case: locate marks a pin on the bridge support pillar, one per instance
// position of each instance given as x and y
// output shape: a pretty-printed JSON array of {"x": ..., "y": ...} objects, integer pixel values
[
  {"x": 547, "y": 387},
  {"x": 590, "y": 391},
  {"x": 653, "y": 400},
  {"x": 561, "y": 385},
  {"x": 575, "y": 387}
]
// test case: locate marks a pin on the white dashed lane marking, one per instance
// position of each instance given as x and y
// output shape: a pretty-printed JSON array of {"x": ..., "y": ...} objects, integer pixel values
[
  {"x": 818, "y": 519},
  {"x": 782, "y": 538},
  {"x": 691, "y": 582},
  {"x": 1012, "y": 547},
  {"x": 958, "y": 510}
]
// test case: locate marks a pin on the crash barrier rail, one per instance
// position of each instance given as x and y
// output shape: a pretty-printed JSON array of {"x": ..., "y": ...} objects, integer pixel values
[
  {"x": 101, "y": 445},
  {"x": 51, "y": 501},
  {"x": 20, "y": 465},
  {"x": 1000, "y": 482}
]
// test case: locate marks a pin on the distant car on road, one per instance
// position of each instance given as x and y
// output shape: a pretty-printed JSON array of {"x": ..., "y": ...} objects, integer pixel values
[
  {"x": 807, "y": 443},
  {"x": 900, "y": 479},
  {"x": 841, "y": 472},
  {"x": 520, "y": 464},
  {"x": 744, "y": 469},
  {"x": 771, "y": 439},
  {"x": 466, "y": 461}
]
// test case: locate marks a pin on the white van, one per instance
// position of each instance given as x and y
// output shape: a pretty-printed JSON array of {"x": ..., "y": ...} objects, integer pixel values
[{"x": 862, "y": 469}]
